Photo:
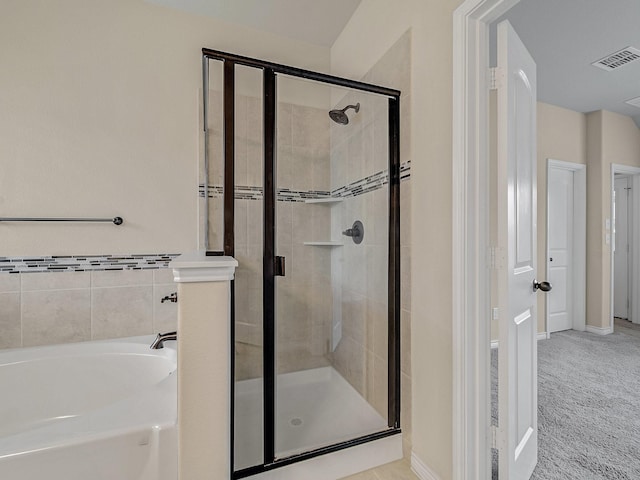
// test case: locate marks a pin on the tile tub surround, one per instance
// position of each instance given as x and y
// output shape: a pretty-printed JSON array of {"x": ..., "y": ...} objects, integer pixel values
[{"x": 51, "y": 307}]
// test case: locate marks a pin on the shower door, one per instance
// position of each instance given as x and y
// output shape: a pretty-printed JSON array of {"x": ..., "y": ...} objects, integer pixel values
[
  {"x": 310, "y": 206},
  {"x": 331, "y": 309}
]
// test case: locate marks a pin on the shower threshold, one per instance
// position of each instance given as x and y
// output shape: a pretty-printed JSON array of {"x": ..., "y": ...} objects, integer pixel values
[{"x": 315, "y": 408}]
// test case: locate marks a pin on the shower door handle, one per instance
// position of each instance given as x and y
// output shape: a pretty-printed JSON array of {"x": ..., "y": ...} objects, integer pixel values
[{"x": 278, "y": 266}]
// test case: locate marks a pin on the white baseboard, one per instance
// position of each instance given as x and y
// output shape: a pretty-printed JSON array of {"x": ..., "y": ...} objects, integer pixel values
[
  {"x": 544, "y": 335},
  {"x": 541, "y": 336},
  {"x": 421, "y": 470},
  {"x": 599, "y": 330}
]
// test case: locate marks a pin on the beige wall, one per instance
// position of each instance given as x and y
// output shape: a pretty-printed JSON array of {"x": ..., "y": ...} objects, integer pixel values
[
  {"x": 100, "y": 112},
  {"x": 374, "y": 28},
  {"x": 611, "y": 138}
]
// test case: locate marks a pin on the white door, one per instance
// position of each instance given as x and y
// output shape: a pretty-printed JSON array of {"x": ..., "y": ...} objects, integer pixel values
[
  {"x": 516, "y": 183},
  {"x": 560, "y": 196},
  {"x": 621, "y": 248}
]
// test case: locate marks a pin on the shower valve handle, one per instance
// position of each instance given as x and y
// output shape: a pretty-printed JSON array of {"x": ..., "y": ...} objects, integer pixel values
[{"x": 356, "y": 232}]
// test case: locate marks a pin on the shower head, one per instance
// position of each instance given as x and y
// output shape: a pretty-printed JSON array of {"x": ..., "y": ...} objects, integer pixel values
[{"x": 340, "y": 116}]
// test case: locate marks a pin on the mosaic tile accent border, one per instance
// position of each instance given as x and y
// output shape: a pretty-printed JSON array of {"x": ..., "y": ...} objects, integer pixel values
[
  {"x": 244, "y": 192},
  {"x": 405, "y": 170},
  {"x": 287, "y": 195},
  {"x": 359, "y": 187},
  {"x": 215, "y": 191},
  {"x": 371, "y": 183},
  {"x": 84, "y": 263}
]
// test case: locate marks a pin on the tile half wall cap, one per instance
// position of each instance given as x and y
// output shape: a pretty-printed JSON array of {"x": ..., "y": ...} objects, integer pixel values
[{"x": 198, "y": 267}]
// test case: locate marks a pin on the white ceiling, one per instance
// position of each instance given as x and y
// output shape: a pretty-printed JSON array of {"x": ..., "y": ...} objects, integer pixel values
[
  {"x": 318, "y": 22},
  {"x": 565, "y": 37}
]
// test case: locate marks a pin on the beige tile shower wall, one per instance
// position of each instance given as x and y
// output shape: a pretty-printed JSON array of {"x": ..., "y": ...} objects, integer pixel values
[
  {"x": 303, "y": 295},
  {"x": 248, "y": 231},
  {"x": 358, "y": 150},
  {"x": 215, "y": 141},
  {"x": 51, "y": 308}
]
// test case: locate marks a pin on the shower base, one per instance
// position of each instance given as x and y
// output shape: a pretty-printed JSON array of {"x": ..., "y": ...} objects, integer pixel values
[{"x": 315, "y": 408}]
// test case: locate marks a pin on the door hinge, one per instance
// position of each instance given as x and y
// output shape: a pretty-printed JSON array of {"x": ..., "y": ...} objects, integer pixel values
[
  {"x": 491, "y": 257},
  {"x": 494, "y": 436},
  {"x": 496, "y": 75},
  {"x": 495, "y": 257}
]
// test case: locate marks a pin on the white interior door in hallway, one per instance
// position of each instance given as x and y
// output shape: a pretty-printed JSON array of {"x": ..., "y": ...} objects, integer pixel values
[
  {"x": 622, "y": 189},
  {"x": 566, "y": 245},
  {"x": 560, "y": 208},
  {"x": 516, "y": 219}
]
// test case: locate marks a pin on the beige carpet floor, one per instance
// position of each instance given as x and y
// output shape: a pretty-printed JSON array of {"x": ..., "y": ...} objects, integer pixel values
[{"x": 588, "y": 405}]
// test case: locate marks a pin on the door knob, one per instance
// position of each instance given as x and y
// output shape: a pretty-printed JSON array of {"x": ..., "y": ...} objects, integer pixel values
[{"x": 544, "y": 286}]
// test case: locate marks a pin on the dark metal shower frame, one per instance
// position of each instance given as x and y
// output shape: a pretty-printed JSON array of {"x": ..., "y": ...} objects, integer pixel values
[{"x": 270, "y": 71}]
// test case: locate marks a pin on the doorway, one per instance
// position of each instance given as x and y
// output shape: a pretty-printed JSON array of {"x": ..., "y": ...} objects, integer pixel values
[
  {"x": 566, "y": 245},
  {"x": 471, "y": 157},
  {"x": 625, "y": 242},
  {"x": 621, "y": 253}
]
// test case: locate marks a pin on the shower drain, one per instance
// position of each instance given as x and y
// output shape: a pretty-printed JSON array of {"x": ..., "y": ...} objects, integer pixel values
[{"x": 296, "y": 422}]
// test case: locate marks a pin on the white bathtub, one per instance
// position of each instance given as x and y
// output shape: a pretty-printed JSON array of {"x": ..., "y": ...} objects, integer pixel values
[{"x": 89, "y": 411}]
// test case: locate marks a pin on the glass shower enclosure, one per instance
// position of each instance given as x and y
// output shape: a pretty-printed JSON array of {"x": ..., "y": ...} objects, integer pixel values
[{"x": 300, "y": 183}]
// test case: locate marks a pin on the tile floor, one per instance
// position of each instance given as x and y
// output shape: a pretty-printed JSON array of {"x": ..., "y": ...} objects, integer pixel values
[{"x": 399, "y": 470}]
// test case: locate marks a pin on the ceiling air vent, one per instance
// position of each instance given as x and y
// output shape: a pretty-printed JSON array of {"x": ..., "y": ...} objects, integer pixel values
[
  {"x": 634, "y": 101},
  {"x": 618, "y": 59}
]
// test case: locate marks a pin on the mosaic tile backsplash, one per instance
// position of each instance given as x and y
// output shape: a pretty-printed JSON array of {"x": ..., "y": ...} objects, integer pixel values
[{"x": 83, "y": 263}]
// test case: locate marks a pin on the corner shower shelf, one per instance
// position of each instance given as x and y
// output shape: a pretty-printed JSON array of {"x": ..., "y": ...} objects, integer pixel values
[
  {"x": 325, "y": 244},
  {"x": 324, "y": 200}
]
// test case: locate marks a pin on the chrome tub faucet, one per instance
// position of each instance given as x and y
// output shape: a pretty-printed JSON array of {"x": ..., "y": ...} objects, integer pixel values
[
  {"x": 163, "y": 337},
  {"x": 173, "y": 298}
]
